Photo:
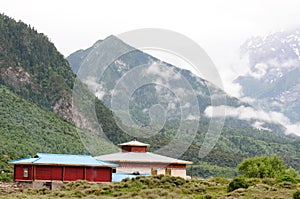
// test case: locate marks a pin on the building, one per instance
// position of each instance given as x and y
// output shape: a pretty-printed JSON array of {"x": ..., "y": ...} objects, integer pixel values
[
  {"x": 135, "y": 158},
  {"x": 61, "y": 168}
]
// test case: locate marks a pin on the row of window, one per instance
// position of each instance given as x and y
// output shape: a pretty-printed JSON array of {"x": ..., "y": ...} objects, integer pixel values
[{"x": 167, "y": 172}]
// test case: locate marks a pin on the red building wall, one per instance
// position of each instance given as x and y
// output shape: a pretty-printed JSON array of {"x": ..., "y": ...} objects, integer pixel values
[
  {"x": 57, "y": 173},
  {"x": 19, "y": 172},
  {"x": 134, "y": 149},
  {"x": 74, "y": 173},
  {"x": 100, "y": 174},
  {"x": 62, "y": 173},
  {"x": 49, "y": 173}
]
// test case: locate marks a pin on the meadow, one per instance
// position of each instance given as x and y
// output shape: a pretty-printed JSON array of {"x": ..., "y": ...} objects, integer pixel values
[{"x": 165, "y": 187}]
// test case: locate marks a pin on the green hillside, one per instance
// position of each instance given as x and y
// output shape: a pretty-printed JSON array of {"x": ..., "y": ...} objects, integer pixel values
[
  {"x": 36, "y": 111},
  {"x": 26, "y": 129},
  {"x": 238, "y": 139},
  {"x": 36, "y": 99},
  {"x": 31, "y": 66}
]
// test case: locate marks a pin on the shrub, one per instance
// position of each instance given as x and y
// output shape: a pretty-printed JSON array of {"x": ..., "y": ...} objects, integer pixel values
[
  {"x": 296, "y": 195},
  {"x": 6, "y": 177},
  {"x": 207, "y": 197},
  {"x": 269, "y": 181},
  {"x": 287, "y": 178},
  {"x": 286, "y": 185},
  {"x": 237, "y": 183},
  {"x": 220, "y": 180},
  {"x": 253, "y": 181},
  {"x": 291, "y": 172},
  {"x": 262, "y": 167}
]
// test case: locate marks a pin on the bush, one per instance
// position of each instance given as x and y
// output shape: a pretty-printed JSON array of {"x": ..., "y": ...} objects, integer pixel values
[
  {"x": 287, "y": 178},
  {"x": 237, "y": 183},
  {"x": 291, "y": 172},
  {"x": 286, "y": 185},
  {"x": 269, "y": 181},
  {"x": 220, "y": 180},
  {"x": 296, "y": 195},
  {"x": 262, "y": 167},
  {"x": 6, "y": 177}
]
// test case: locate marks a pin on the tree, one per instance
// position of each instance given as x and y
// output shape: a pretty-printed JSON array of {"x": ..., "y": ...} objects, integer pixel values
[{"x": 262, "y": 167}]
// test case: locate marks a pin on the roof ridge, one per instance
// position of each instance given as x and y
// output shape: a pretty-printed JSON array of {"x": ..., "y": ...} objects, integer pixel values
[
  {"x": 61, "y": 154},
  {"x": 11, "y": 161},
  {"x": 37, "y": 159}
]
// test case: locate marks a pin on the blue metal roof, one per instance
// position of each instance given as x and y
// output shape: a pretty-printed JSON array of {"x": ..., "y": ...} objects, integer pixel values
[
  {"x": 23, "y": 160},
  {"x": 118, "y": 177},
  {"x": 63, "y": 159}
]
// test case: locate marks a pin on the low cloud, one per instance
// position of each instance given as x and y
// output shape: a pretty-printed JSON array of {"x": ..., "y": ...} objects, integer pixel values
[
  {"x": 260, "y": 69},
  {"x": 248, "y": 100},
  {"x": 260, "y": 126},
  {"x": 96, "y": 88},
  {"x": 272, "y": 66},
  {"x": 249, "y": 114},
  {"x": 162, "y": 71}
]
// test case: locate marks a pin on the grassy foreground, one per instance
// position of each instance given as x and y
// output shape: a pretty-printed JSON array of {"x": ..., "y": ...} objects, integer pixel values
[{"x": 161, "y": 187}]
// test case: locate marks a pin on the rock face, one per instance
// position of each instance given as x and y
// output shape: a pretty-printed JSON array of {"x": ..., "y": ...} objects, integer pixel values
[
  {"x": 31, "y": 66},
  {"x": 273, "y": 79}
]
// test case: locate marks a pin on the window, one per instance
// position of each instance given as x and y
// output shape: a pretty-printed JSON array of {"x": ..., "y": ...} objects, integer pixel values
[
  {"x": 25, "y": 172},
  {"x": 168, "y": 172},
  {"x": 154, "y": 172}
]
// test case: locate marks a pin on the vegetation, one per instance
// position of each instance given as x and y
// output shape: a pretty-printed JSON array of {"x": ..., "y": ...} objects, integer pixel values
[
  {"x": 26, "y": 129},
  {"x": 36, "y": 100},
  {"x": 36, "y": 113},
  {"x": 161, "y": 187},
  {"x": 262, "y": 167},
  {"x": 287, "y": 178},
  {"x": 207, "y": 170},
  {"x": 30, "y": 64},
  {"x": 31, "y": 67},
  {"x": 237, "y": 183},
  {"x": 266, "y": 168},
  {"x": 236, "y": 144},
  {"x": 238, "y": 140},
  {"x": 296, "y": 195}
]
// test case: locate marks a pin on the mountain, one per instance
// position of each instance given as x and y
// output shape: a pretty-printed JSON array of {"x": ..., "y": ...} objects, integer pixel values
[
  {"x": 156, "y": 83},
  {"x": 150, "y": 92},
  {"x": 37, "y": 103},
  {"x": 273, "y": 79},
  {"x": 45, "y": 108},
  {"x": 33, "y": 68},
  {"x": 141, "y": 85}
]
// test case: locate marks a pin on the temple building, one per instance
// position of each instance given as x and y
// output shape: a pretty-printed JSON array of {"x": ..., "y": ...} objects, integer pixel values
[{"x": 136, "y": 159}]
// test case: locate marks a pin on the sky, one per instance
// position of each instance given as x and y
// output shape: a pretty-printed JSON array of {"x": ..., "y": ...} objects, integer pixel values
[{"x": 218, "y": 26}]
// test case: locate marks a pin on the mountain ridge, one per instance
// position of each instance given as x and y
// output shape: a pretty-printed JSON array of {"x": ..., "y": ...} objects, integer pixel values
[
  {"x": 134, "y": 58},
  {"x": 274, "y": 62},
  {"x": 235, "y": 133},
  {"x": 29, "y": 110}
]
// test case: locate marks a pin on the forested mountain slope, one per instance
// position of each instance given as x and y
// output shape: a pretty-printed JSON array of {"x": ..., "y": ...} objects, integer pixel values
[{"x": 37, "y": 110}]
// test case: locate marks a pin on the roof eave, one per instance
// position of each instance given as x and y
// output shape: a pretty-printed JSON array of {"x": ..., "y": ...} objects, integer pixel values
[
  {"x": 134, "y": 161},
  {"x": 54, "y": 164}
]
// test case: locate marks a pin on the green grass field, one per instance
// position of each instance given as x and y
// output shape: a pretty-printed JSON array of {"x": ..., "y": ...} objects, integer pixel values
[{"x": 162, "y": 187}]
